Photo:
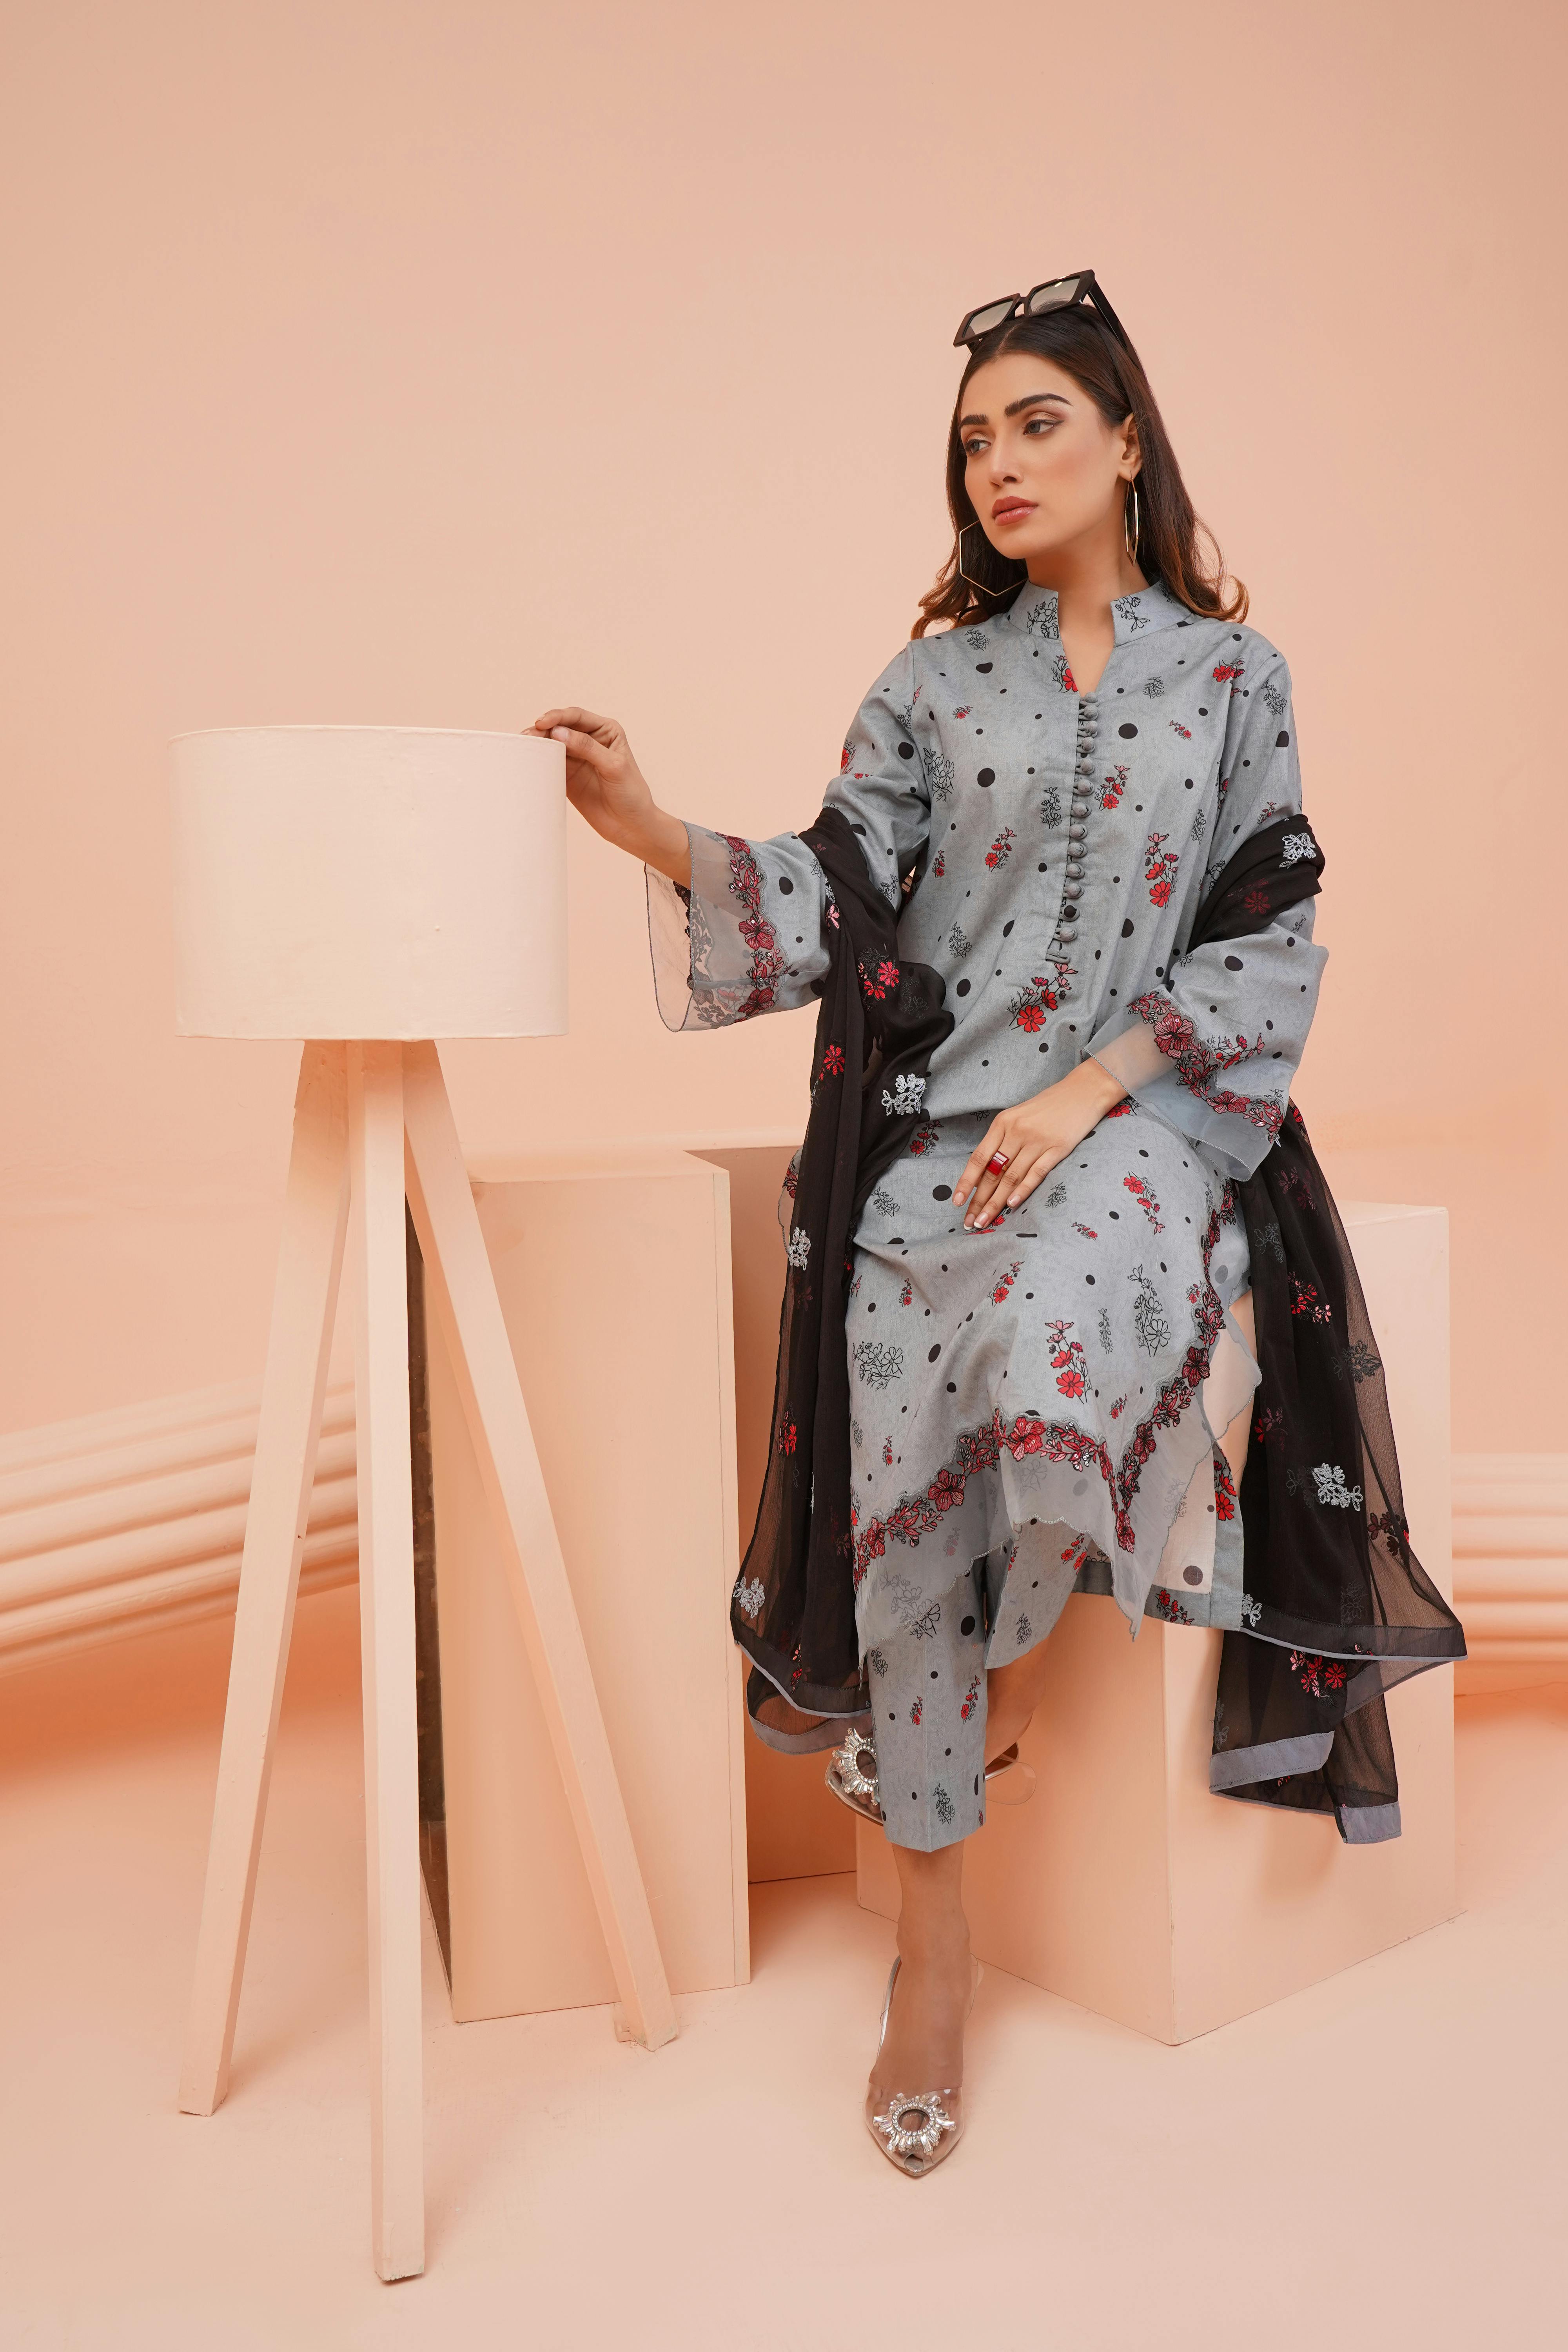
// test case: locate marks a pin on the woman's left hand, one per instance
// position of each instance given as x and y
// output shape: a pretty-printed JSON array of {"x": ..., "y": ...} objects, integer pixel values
[{"x": 1035, "y": 1135}]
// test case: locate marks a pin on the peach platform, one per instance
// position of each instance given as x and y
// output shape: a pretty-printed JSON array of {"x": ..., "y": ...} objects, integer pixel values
[{"x": 614, "y": 1280}]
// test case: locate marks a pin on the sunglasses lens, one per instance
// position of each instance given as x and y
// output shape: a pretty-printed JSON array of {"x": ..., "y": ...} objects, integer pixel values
[
  {"x": 1061, "y": 290},
  {"x": 981, "y": 322}
]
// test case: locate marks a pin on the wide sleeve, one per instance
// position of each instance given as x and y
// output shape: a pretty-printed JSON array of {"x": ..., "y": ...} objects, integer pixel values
[
  {"x": 1214, "y": 1051},
  {"x": 749, "y": 935}
]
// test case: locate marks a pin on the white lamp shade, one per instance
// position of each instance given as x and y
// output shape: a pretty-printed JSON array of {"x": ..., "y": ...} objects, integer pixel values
[{"x": 369, "y": 882}]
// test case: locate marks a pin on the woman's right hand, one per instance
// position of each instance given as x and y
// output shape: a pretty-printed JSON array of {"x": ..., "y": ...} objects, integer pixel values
[{"x": 604, "y": 785}]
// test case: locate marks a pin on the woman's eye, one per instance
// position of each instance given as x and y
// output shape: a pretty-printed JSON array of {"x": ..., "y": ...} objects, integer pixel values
[{"x": 1040, "y": 421}]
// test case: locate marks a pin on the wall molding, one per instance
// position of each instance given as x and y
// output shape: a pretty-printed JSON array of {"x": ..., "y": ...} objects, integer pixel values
[
  {"x": 134, "y": 1520},
  {"x": 130, "y": 1520},
  {"x": 1511, "y": 1561}
]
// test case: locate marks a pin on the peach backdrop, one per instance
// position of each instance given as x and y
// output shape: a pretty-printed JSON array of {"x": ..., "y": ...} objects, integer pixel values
[{"x": 422, "y": 365}]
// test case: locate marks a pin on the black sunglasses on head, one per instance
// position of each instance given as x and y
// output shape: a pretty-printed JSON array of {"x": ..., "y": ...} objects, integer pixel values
[{"x": 1056, "y": 294}]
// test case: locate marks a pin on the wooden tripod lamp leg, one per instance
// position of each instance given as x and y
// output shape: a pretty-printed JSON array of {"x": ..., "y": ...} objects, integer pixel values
[
  {"x": 304, "y": 1300},
  {"x": 462, "y": 1285},
  {"x": 378, "y": 1251}
]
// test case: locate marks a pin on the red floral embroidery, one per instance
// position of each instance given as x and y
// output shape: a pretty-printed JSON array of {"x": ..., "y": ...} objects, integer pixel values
[
  {"x": 1223, "y": 671},
  {"x": 1143, "y": 1193},
  {"x": 1086, "y": 1231},
  {"x": 1067, "y": 1359},
  {"x": 886, "y": 981},
  {"x": 963, "y": 711},
  {"x": 947, "y": 1488},
  {"x": 971, "y": 1699},
  {"x": 1198, "y": 1063},
  {"x": 786, "y": 1438},
  {"x": 1224, "y": 1489},
  {"x": 1069, "y": 684},
  {"x": 924, "y": 1138},
  {"x": 1159, "y": 869},
  {"x": 1000, "y": 1292},
  {"x": 1001, "y": 849},
  {"x": 1318, "y": 1676},
  {"x": 1184, "y": 732},
  {"x": 906, "y": 1295},
  {"x": 849, "y": 755},
  {"x": 1112, "y": 788},
  {"x": 1030, "y": 1005},
  {"x": 1257, "y": 902},
  {"x": 767, "y": 956},
  {"x": 939, "y": 863},
  {"x": 1304, "y": 1300},
  {"x": 1168, "y": 1606},
  {"x": 916, "y": 1711},
  {"x": 832, "y": 1061}
]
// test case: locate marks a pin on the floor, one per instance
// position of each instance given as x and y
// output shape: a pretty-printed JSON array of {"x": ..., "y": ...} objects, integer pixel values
[{"x": 1379, "y": 2161}]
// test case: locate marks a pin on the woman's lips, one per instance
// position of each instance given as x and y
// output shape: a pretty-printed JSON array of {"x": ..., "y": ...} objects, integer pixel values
[{"x": 1014, "y": 511}]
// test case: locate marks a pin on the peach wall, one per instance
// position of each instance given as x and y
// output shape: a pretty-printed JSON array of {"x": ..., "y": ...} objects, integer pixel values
[{"x": 421, "y": 364}]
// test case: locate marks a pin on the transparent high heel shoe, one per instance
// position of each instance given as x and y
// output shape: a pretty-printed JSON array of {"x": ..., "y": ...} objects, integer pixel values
[
  {"x": 916, "y": 2130},
  {"x": 852, "y": 1776}
]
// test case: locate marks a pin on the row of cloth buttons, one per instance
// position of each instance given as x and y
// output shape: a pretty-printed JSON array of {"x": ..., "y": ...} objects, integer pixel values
[{"x": 1078, "y": 827}]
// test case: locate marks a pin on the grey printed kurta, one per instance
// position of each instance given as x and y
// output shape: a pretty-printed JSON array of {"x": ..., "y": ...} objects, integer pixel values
[{"x": 1069, "y": 1372}]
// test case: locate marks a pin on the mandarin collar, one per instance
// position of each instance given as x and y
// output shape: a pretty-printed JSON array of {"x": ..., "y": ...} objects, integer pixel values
[{"x": 1035, "y": 612}]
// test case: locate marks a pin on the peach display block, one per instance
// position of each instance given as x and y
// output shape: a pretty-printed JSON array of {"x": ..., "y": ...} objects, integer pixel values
[
  {"x": 385, "y": 882},
  {"x": 1124, "y": 1884},
  {"x": 614, "y": 1280}
]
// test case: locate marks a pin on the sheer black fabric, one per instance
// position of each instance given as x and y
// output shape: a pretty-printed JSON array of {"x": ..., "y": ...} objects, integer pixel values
[
  {"x": 881, "y": 1019},
  {"x": 1338, "y": 1607}
]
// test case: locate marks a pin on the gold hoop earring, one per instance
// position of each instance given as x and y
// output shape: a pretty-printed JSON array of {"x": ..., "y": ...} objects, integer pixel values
[
  {"x": 985, "y": 587},
  {"x": 1130, "y": 543}
]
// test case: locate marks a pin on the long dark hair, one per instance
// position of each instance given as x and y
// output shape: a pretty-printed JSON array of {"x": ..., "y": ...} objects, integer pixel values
[{"x": 1170, "y": 534}]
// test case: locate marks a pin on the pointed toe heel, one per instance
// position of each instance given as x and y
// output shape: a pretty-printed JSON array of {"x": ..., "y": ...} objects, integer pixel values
[
  {"x": 852, "y": 1776},
  {"x": 915, "y": 2130}
]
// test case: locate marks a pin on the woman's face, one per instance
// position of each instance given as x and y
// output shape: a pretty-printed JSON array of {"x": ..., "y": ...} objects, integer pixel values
[{"x": 1044, "y": 471}]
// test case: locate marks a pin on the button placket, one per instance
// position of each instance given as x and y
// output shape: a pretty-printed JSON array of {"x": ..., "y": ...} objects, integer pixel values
[{"x": 1078, "y": 829}]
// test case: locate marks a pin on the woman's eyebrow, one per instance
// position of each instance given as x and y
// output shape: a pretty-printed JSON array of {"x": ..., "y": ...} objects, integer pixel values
[{"x": 1014, "y": 407}]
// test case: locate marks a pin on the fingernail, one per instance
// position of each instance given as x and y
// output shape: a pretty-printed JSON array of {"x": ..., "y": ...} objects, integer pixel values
[{"x": 561, "y": 733}]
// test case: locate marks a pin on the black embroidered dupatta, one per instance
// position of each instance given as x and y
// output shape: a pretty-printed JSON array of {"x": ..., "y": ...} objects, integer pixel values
[
  {"x": 881, "y": 1020},
  {"x": 1338, "y": 1609}
]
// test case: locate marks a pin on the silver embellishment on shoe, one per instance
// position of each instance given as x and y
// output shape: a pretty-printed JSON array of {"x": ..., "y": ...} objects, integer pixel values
[
  {"x": 848, "y": 1759},
  {"x": 927, "y": 2139}
]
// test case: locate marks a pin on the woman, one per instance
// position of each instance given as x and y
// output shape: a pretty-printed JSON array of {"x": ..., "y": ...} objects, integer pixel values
[{"x": 1047, "y": 1372}]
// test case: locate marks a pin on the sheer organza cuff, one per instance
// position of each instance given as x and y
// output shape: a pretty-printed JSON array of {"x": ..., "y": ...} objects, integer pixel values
[
  {"x": 1131, "y": 1054},
  {"x": 1234, "y": 1141},
  {"x": 670, "y": 947}
]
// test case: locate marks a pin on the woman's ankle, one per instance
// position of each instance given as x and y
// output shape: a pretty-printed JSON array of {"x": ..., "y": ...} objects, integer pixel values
[{"x": 942, "y": 1945}]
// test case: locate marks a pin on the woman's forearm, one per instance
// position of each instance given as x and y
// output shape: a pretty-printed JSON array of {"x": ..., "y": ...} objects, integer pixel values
[{"x": 661, "y": 842}]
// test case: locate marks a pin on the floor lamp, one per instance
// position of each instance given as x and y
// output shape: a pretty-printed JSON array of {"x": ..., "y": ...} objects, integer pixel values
[{"x": 369, "y": 890}]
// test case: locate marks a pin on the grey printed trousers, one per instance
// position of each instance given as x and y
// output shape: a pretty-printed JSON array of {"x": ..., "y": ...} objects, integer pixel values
[{"x": 928, "y": 1684}]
